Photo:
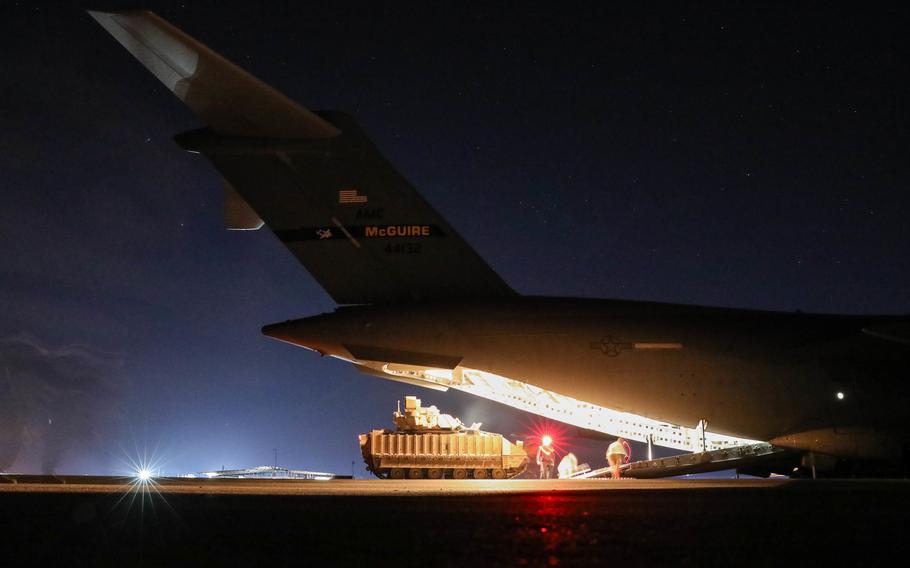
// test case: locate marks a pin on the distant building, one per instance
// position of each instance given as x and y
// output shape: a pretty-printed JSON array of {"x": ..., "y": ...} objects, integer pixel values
[{"x": 268, "y": 472}]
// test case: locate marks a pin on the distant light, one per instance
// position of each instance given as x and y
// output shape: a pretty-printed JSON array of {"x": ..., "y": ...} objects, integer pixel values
[
  {"x": 144, "y": 475},
  {"x": 546, "y": 440},
  {"x": 839, "y": 395}
]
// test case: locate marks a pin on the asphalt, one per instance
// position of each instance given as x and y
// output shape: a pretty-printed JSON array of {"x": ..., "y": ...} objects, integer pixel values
[
  {"x": 353, "y": 488},
  {"x": 191, "y": 522}
]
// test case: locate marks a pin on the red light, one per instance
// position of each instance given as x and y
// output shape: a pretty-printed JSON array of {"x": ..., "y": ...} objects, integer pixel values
[{"x": 540, "y": 430}]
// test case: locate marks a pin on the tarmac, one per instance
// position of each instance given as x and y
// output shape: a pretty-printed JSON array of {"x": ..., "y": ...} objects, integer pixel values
[
  {"x": 77, "y": 520},
  {"x": 351, "y": 488}
]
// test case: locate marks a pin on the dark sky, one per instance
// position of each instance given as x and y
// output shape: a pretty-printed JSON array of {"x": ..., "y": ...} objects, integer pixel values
[{"x": 735, "y": 154}]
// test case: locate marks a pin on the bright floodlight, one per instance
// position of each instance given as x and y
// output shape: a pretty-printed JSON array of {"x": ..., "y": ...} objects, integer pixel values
[
  {"x": 144, "y": 475},
  {"x": 546, "y": 440}
]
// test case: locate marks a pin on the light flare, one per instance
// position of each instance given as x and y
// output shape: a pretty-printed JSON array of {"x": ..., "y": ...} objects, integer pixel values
[{"x": 142, "y": 468}]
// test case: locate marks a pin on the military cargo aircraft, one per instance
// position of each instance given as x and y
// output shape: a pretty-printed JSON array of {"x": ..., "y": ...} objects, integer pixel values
[{"x": 420, "y": 306}]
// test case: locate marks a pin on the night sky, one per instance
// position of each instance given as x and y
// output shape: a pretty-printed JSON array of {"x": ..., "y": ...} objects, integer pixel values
[{"x": 734, "y": 154}]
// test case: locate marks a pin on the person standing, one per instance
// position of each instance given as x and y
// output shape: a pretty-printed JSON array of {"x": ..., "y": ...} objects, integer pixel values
[
  {"x": 546, "y": 457},
  {"x": 616, "y": 455}
]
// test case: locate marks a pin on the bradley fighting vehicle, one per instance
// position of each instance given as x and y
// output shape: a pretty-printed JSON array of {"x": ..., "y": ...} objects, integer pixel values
[{"x": 429, "y": 444}]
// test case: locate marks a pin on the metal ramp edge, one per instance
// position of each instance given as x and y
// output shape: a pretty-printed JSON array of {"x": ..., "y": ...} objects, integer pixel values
[{"x": 700, "y": 462}]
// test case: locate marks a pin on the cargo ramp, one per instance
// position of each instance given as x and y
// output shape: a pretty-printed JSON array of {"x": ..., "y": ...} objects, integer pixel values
[{"x": 754, "y": 457}]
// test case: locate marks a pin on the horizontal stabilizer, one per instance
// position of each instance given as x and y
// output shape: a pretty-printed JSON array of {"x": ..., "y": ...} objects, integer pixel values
[{"x": 230, "y": 100}]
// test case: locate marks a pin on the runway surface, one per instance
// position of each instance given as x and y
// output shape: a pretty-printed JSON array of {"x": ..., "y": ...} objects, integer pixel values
[
  {"x": 389, "y": 487},
  {"x": 183, "y": 522}
]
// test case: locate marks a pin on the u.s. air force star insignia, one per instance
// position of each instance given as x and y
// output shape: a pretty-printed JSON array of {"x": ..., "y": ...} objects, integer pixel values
[{"x": 610, "y": 346}]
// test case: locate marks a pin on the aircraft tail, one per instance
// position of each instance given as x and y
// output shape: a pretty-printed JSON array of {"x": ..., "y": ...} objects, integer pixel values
[{"x": 315, "y": 179}]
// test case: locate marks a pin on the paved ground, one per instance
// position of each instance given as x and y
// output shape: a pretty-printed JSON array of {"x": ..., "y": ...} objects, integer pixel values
[
  {"x": 388, "y": 487},
  {"x": 436, "y": 523}
]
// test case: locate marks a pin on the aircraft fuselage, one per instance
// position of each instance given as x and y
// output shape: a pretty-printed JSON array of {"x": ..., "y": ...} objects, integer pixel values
[{"x": 753, "y": 374}]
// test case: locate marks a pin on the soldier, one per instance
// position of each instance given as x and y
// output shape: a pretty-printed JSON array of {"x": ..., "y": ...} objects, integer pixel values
[
  {"x": 546, "y": 456},
  {"x": 567, "y": 466},
  {"x": 616, "y": 455}
]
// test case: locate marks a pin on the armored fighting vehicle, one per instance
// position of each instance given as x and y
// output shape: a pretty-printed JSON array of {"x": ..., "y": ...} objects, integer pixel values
[{"x": 429, "y": 444}]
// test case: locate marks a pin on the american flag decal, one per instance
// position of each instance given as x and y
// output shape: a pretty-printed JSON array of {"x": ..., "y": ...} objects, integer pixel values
[{"x": 350, "y": 196}]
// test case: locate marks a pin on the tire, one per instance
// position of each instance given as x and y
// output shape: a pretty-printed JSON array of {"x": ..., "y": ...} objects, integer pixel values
[
  {"x": 396, "y": 473},
  {"x": 480, "y": 474},
  {"x": 434, "y": 473},
  {"x": 415, "y": 473},
  {"x": 498, "y": 474},
  {"x": 459, "y": 474}
]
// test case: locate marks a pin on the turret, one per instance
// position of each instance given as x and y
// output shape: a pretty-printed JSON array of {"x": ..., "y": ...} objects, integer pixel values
[{"x": 417, "y": 417}]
